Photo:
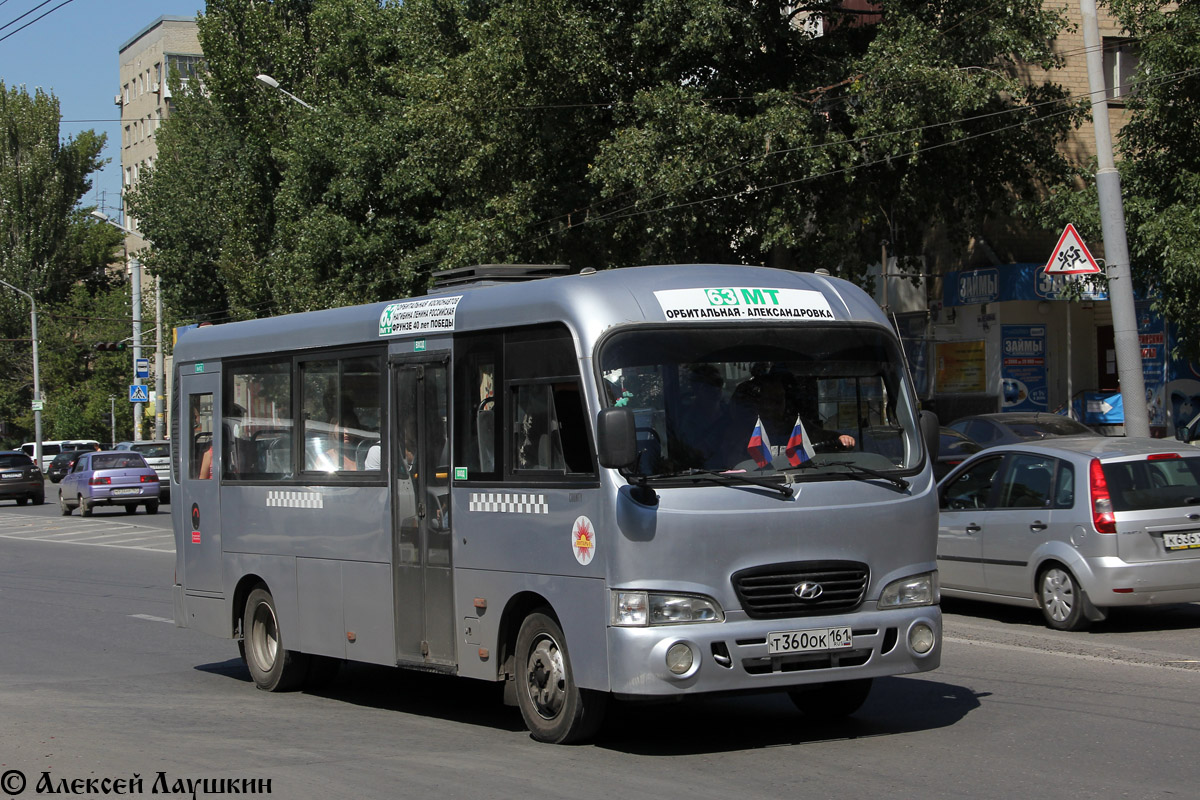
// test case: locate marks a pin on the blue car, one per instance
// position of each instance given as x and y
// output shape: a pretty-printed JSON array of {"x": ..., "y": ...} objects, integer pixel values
[{"x": 109, "y": 478}]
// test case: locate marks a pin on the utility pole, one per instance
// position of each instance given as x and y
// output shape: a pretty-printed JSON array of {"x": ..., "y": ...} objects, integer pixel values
[
  {"x": 1116, "y": 249},
  {"x": 159, "y": 398},
  {"x": 37, "y": 386},
  {"x": 135, "y": 277}
]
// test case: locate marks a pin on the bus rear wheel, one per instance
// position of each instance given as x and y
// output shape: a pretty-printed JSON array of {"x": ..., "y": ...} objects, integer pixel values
[
  {"x": 554, "y": 708},
  {"x": 271, "y": 665}
]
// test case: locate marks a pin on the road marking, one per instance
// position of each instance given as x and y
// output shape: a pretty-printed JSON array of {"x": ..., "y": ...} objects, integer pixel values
[
  {"x": 1081, "y": 656},
  {"x": 90, "y": 532},
  {"x": 150, "y": 618}
]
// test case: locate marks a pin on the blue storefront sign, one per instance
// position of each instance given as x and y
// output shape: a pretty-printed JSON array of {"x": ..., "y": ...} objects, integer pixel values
[
  {"x": 1023, "y": 368},
  {"x": 1012, "y": 282}
]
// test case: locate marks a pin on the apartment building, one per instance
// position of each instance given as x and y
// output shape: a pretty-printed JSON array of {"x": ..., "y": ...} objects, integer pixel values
[{"x": 167, "y": 45}]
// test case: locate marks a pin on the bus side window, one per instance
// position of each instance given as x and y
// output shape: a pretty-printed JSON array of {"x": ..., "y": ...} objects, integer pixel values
[
  {"x": 476, "y": 418},
  {"x": 572, "y": 428}
]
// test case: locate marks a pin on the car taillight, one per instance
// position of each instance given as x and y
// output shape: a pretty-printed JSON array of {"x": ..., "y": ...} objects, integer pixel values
[
  {"x": 148, "y": 479},
  {"x": 1102, "y": 510},
  {"x": 99, "y": 481}
]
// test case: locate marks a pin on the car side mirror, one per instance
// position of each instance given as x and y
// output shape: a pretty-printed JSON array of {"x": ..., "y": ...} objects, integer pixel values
[
  {"x": 616, "y": 436},
  {"x": 930, "y": 433}
]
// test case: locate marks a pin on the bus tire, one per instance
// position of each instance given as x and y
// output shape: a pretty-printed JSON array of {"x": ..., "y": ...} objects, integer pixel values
[
  {"x": 554, "y": 708},
  {"x": 831, "y": 701},
  {"x": 273, "y": 667}
]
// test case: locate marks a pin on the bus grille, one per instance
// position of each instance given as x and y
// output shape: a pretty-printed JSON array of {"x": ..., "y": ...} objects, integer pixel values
[{"x": 772, "y": 591}]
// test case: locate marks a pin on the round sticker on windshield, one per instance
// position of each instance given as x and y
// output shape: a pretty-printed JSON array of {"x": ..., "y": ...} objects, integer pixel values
[{"x": 583, "y": 540}]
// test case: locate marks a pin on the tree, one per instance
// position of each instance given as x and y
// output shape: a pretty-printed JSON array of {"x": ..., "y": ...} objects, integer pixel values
[
  {"x": 48, "y": 247},
  {"x": 1161, "y": 170},
  {"x": 453, "y": 132}
]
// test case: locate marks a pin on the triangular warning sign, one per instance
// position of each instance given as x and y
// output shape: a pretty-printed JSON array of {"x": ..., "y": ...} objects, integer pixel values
[{"x": 1071, "y": 256}]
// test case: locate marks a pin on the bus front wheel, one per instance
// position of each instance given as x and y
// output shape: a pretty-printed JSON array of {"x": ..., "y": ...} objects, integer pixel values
[
  {"x": 273, "y": 668},
  {"x": 554, "y": 708},
  {"x": 831, "y": 701}
]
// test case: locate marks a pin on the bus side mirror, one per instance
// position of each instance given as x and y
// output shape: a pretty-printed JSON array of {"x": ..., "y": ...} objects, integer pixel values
[
  {"x": 617, "y": 438},
  {"x": 1183, "y": 434},
  {"x": 930, "y": 433}
]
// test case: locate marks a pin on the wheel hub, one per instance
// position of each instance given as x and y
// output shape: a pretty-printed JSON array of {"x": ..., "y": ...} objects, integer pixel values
[
  {"x": 546, "y": 678},
  {"x": 1058, "y": 595}
]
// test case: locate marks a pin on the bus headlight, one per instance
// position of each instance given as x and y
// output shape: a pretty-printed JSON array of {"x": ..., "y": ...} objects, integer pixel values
[
  {"x": 640, "y": 609},
  {"x": 918, "y": 590}
]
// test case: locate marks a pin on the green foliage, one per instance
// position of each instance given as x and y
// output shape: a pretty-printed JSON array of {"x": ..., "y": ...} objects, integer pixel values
[
  {"x": 1161, "y": 170},
  {"x": 50, "y": 248},
  {"x": 452, "y": 132}
]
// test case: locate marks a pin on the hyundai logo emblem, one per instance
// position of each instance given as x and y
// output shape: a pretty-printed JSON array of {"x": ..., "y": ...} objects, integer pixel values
[{"x": 808, "y": 591}]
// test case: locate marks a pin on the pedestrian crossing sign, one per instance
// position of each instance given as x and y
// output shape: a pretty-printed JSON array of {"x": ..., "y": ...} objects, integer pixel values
[
  {"x": 139, "y": 393},
  {"x": 1071, "y": 256}
]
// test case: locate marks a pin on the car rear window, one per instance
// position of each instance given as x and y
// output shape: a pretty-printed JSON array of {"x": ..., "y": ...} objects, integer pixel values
[
  {"x": 1061, "y": 426},
  {"x": 121, "y": 461},
  {"x": 15, "y": 461},
  {"x": 1149, "y": 484},
  {"x": 153, "y": 450}
]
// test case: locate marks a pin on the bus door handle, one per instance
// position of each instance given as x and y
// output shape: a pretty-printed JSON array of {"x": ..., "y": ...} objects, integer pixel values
[
  {"x": 973, "y": 528},
  {"x": 421, "y": 510},
  {"x": 1037, "y": 525}
]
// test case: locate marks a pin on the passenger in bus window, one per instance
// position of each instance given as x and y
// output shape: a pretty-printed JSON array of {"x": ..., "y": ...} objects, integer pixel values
[
  {"x": 343, "y": 445},
  {"x": 202, "y": 446},
  {"x": 779, "y": 400},
  {"x": 703, "y": 426}
]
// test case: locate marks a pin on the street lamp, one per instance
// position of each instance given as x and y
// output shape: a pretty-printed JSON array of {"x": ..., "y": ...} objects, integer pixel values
[
  {"x": 37, "y": 386},
  {"x": 267, "y": 80},
  {"x": 135, "y": 270}
]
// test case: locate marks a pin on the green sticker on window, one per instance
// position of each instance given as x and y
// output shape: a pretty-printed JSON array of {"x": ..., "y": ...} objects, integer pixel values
[
  {"x": 199, "y": 368},
  {"x": 419, "y": 346},
  {"x": 460, "y": 473}
]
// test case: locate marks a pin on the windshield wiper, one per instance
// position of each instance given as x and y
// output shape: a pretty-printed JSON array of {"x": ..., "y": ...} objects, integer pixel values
[
  {"x": 860, "y": 473},
  {"x": 724, "y": 478}
]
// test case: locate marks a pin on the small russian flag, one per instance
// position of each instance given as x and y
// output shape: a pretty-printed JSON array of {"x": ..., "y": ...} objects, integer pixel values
[
  {"x": 760, "y": 446},
  {"x": 799, "y": 447}
]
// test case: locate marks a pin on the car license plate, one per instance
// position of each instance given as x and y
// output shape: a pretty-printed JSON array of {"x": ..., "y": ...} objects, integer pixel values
[
  {"x": 10, "y": 475},
  {"x": 1186, "y": 540},
  {"x": 125, "y": 491},
  {"x": 815, "y": 640}
]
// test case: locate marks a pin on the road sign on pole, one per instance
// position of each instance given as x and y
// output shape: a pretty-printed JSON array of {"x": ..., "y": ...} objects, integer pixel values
[
  {"x": 1071, "y": 256},
  {"x": 141, "y": 368},
  {"x": 139, "y": 393}
]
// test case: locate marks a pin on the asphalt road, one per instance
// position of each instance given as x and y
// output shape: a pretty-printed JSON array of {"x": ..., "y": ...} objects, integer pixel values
[{"x": 97, "y": 683}]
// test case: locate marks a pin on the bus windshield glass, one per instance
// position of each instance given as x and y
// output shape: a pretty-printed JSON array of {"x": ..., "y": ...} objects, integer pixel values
[{"x": 807, "y": 401}]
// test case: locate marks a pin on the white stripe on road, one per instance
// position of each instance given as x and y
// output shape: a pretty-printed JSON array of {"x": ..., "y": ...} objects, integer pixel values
[{"x": 150, "y": 618}]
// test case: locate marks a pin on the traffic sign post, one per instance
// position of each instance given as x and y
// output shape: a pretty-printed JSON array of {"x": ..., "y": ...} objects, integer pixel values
[
  {"x": 1071, "y": 256},
  {"x": 138, "y": 393},
  {"x": 141, "y": 368}
]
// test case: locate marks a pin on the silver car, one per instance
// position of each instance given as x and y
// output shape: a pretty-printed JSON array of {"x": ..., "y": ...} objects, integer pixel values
[{"x": 1074, "y": 526}]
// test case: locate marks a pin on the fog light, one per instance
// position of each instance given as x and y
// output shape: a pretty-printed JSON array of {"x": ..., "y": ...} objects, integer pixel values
[
  {"x": 679, "y": 658},
  {"x": 920, "y": 638}
]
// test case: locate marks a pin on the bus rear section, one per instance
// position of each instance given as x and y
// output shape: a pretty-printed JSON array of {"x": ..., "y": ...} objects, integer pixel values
[{"x": 635, "y": 485}]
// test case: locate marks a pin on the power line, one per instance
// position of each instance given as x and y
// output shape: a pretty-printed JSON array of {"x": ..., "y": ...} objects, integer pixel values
[{"x": 27, "y": 13}]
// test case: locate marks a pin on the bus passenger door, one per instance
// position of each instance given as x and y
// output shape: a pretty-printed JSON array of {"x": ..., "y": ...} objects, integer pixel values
[
  {"x": 420, "y": 480},
  {"x": 198, "y": 473}
]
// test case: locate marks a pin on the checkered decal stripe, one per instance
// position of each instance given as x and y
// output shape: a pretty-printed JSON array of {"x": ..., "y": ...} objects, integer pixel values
[
  {"x": 506, "y": 503},
  {"x": 281, "y": 499}
]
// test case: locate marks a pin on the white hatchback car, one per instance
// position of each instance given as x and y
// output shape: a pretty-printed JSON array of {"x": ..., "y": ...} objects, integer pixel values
[
  {"x": 157, "y": 453},
  {"x": 1074, "y": 526}
]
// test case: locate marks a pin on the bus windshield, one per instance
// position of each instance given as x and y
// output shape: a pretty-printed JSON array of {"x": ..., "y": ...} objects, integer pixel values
[{"x": 806, "y": 401}]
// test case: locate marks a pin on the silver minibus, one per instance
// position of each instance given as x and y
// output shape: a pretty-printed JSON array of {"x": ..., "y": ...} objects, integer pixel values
[{"x": 633, "y": 484}]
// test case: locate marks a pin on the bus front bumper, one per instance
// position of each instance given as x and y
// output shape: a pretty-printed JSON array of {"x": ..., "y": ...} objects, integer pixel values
[{"x": 733, "y": 656}]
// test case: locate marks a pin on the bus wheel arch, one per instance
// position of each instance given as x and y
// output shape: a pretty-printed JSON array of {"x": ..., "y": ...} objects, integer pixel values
[{"x": 553, "y": 706}]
